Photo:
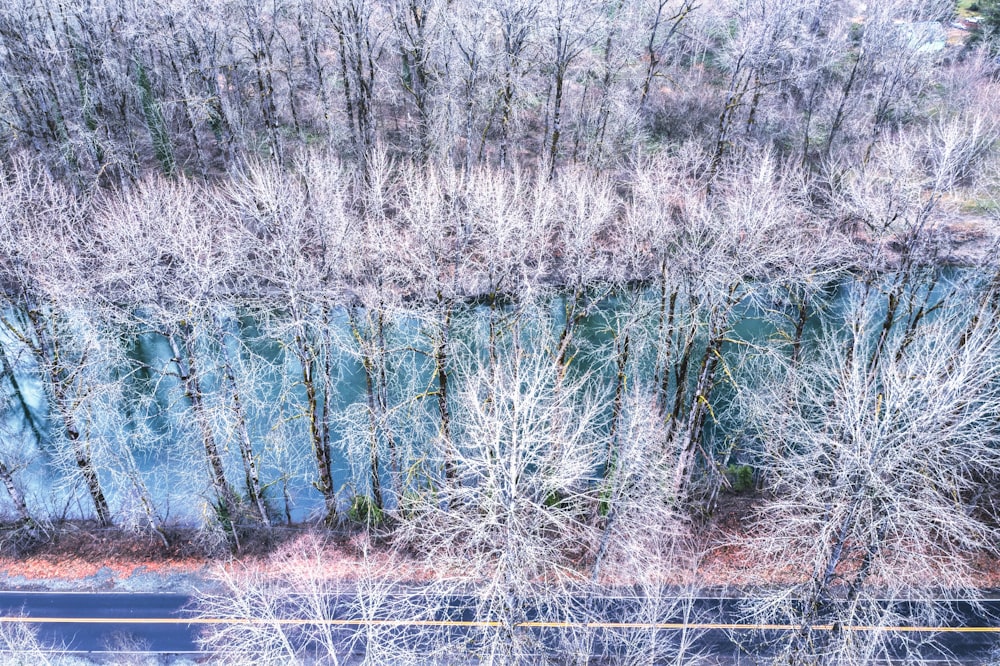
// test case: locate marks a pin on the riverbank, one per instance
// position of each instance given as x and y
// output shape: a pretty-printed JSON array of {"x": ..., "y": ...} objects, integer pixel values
[{"x": 719, "y": 556}]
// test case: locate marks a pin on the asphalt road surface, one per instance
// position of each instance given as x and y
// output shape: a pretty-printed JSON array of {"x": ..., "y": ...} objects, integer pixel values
[{"x": 106, "y": 624}]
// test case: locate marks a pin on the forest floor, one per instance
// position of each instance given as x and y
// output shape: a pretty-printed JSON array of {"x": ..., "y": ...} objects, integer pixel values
[
  {"x": 967, "y": 232},
  {"x": 84, "y": 558}
]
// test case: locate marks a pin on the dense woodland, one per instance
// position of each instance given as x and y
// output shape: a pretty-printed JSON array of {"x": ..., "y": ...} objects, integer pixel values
[{"x": 523, "y": 288}]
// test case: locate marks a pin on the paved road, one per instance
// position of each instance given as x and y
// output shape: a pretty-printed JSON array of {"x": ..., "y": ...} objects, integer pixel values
[
  {"x": 105, "y": 622},
  {"x": 110, "y": 623}
]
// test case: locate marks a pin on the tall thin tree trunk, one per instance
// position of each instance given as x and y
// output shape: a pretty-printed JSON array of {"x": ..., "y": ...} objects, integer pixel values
[
  {"x": 383, "y": 398},
  {"x": 556, "y": 119},
  {"x": 29, "y": 418},
  {"x": 252, "y": 477},
  {"x": 441, "y": 371},
  {"x": 616, "y": 410},
  {"x": 373, "y": 413},
  {"x": 691, "y": 435},
  {"x": 318, "y": 432},
  {"x": 15, "y": 494},
  {"x": 187, "y": 368}
]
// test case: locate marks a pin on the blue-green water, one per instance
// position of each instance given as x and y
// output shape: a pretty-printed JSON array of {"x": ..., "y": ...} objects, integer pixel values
[{"x": 144, "y": 432}]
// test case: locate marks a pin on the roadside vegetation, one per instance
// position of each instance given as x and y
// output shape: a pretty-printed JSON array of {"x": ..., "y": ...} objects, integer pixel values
[{"x": 527, "y": 292}]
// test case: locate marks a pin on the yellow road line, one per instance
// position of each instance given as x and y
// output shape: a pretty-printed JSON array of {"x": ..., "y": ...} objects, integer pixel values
[{"x": 675, "y": 626}]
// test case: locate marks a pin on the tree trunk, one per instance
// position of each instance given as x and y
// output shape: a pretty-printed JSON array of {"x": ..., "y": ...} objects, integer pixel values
[
  {"x": 81, "y": 451},
  {"x": 556, "y": 119},
  {"x": 250, "y": 472},
  {"x": 15, "y": 494},
  {"x": 373, "y": 427},
  {"x": 187, "y": 368},
  {"x": 318, "y": 432},
  {"x": 441, "y": 371},
  {"x": 691, "y": 438},
  {"x": 382, "y": 393},
  {"x": 616, "y": 412},
  {"x": 29, "y": 418}
]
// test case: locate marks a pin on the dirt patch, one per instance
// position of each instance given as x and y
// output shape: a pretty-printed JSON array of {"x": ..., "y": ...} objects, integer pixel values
[{"x": 82, "y": 556}]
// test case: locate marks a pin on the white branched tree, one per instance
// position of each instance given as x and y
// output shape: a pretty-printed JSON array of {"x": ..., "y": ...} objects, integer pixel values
[
  {"x": 516, "y": 518},
  {"x": 871, "y": 475}
]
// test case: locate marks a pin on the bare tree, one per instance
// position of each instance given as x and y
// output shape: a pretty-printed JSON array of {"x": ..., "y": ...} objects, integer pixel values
[
  {"x": 294, "y": 611},
  {"x": 517, "y": 27},
  {"x": 717, "y": 252},
  {"x": 359, "y": 42},
  {"x": 44, "y": 297},
  {"x": 20, "y": 644},
  {"x": 870, "y": 471},
  {"x": 515, "y": 518},
  {"x": 193, "y": 261},
  {"x": 663, "y": 20},
  {"x": 301, "y": 232},
  {"x": 419, "y": 36},
  {"x": 583, "y": 207},
  {"x": 567, "y": 27},
  {"x": 509, "y": 217}
]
